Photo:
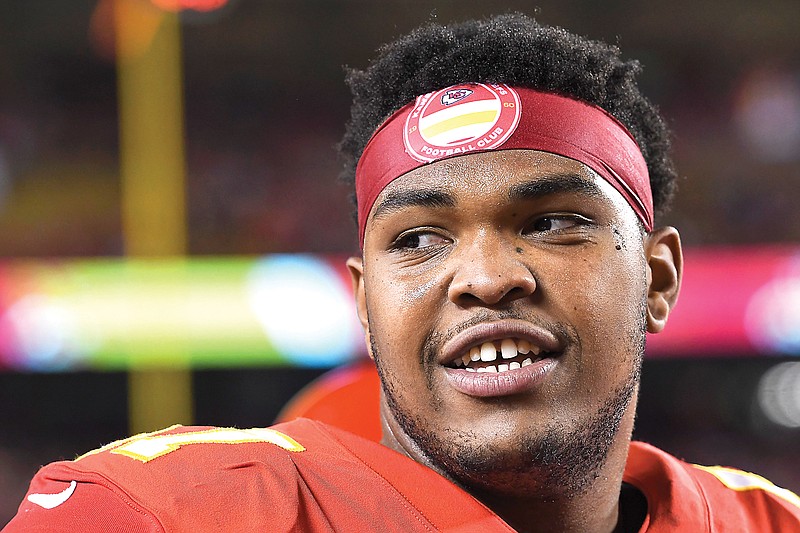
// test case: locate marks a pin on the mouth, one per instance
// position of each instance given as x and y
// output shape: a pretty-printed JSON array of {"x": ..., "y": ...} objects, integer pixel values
[
  {"x": 501, "y": 358},
  {"x": 501, "y": 355}
]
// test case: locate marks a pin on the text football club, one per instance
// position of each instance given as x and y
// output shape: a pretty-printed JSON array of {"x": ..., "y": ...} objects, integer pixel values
[{"x": 461, "y": 119}]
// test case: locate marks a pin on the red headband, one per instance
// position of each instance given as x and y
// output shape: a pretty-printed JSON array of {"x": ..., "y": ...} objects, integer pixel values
[{"x": 478, "y": 117}]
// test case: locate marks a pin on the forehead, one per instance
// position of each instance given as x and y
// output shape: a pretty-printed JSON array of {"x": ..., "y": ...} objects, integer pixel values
[{"x": 494, "y": 173}]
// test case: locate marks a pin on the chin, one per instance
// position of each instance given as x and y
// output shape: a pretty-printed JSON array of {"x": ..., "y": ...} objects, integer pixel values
[{"x": 550, "y": 460}]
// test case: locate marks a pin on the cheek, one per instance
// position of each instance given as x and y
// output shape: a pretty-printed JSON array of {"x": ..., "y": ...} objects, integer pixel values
[
  {"x": 605, "y": 301},
  {"x": 602, "y": 281},
  {"x": 416, "y": 291},
  {"x": 402, "y": 312},
  {"x": 404, "y": 296}
]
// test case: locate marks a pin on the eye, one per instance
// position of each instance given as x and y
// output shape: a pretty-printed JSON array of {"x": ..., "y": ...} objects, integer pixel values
[
  {"x": 416, "y": 239},
  {"x": 556, "y": 223}
]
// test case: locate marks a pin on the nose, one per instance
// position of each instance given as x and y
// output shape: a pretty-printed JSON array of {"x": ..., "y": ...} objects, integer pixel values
[{"x": 493, "y": 274}]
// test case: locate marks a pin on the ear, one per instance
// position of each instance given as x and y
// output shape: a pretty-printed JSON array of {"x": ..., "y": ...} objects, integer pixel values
[
  {"x": 356, "y": 267},
  {"x": 664, "y": 271}
]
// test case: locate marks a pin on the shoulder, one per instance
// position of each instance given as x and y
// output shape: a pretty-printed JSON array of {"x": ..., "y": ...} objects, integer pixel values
[
  {"x": 196, "y": 443},
  {"x": 297, "y": 476},
  {"x": 155, "y": 476},
  {"x": 713, "y": 496},
  {"x": 184, "y": 456}
]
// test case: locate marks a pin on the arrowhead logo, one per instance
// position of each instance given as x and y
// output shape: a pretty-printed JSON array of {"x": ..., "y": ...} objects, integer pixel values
[
  {"x": 50, "y": 501},
  {"x": 454, "y": 95}
]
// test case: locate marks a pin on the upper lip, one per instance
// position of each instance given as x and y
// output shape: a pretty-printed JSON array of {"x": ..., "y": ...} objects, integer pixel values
[{"x": 458, "y": 345}]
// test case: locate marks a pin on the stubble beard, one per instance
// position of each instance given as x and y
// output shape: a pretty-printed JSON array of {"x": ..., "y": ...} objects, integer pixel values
[{"x": 559, "y": 461}]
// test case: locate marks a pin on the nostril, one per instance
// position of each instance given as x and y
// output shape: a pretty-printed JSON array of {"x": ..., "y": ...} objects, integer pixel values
[{"x": 515, "y": 293}]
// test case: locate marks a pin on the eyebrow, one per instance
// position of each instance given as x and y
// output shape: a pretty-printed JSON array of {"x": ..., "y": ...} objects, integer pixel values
[
  {"x": 531, "y": 190},
  {"x": 554, "y": 184},
  {"x": 397, "y": 200}
]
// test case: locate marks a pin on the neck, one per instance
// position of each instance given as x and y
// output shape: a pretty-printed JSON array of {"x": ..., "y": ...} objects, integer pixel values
[{"x": 595, "y": 508}]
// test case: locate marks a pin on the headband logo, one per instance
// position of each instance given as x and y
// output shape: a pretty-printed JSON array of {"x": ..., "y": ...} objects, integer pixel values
[
  {"x": 461, "y": 119},
  {"x": 454, "y": 95}
]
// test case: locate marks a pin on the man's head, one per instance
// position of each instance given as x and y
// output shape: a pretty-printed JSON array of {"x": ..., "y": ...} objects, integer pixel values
[
  {"x": 505, "y": 294},
  {"x": 516, "y": 50}
]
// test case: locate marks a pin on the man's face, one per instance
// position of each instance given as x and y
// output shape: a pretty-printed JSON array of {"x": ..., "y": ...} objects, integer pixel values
[{"x": 535, "y": 264}]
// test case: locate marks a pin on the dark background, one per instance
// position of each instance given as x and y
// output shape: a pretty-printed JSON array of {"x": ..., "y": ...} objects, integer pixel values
[{"x": 265, "y": 106}]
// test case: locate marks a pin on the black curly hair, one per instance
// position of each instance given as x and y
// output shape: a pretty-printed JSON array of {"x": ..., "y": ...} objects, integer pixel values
[{"x": 516, "y": 50}]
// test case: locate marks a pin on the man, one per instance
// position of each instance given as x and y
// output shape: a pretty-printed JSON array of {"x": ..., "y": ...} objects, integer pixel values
[{"x": 507, "y": 176}]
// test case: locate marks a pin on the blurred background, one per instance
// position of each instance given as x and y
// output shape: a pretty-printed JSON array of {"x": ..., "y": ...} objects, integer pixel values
[{"x": 172, "y": 232}]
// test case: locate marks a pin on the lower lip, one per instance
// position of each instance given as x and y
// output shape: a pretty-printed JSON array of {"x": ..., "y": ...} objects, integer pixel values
[{"x": 489, "y": 384}]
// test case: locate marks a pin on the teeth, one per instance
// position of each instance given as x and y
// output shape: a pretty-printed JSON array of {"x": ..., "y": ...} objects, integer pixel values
[
  {"x": 488, "y": 352},
  {"x": 502, "y": 367},
  {"x": 508, "y": 349},
  {"x": 475, "y": 354}
]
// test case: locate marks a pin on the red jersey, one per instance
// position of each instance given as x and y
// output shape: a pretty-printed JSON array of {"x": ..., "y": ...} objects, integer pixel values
[{"x": 308, "y": 476}]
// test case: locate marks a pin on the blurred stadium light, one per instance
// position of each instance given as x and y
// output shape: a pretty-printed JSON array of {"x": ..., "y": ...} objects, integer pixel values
[
  {"x": 116, "y": 314},
  {"x": 735, "y": 301},
  {"x": 779, "y": 394}
]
